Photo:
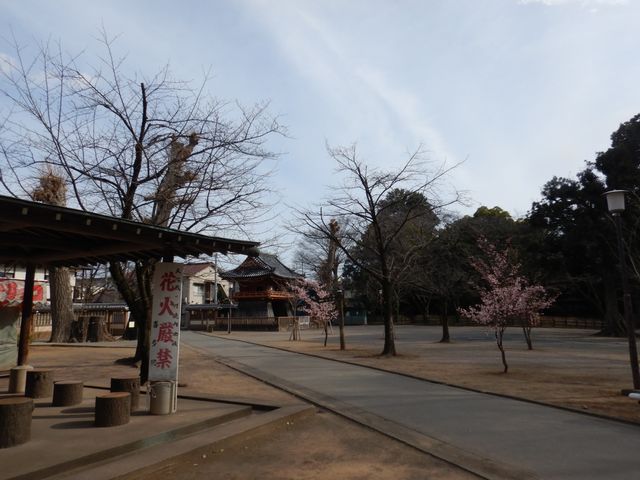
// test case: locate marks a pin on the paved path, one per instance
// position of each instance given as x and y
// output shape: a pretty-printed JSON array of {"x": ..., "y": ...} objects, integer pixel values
[{"x": 491, "y": 436}]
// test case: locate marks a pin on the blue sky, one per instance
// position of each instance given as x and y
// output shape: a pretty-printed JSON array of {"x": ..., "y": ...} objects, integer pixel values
[{"x": 521, "y": 90}]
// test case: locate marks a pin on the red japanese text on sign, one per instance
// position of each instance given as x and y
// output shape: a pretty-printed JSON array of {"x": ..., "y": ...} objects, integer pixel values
[
  {"x": 165, "y": 332},
  {"x": 165, "y": 307},
  {"x": 168, "y": 282},
  {"x": 164, "y": 359}
]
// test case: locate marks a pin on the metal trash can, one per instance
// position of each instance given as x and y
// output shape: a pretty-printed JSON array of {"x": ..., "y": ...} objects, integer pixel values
[{"x": 161, "y": 398}]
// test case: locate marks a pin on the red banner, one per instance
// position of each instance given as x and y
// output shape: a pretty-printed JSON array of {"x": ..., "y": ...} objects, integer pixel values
[{"x": 12, "y": 292}]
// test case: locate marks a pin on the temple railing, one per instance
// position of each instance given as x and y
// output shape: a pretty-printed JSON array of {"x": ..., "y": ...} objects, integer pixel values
[
  {"x": 251, "y": 323},
  {"x": 262, "y": 295}
]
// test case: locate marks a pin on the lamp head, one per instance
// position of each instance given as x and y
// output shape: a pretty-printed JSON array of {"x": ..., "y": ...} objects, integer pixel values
[{"x": 615, "y": 201}]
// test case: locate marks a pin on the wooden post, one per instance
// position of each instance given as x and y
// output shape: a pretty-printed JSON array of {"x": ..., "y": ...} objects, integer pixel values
[{"x": 27, "y": 315}]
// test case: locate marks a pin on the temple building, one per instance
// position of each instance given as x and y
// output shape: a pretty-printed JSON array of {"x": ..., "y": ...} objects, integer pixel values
[{"x": 260, "y": 287}]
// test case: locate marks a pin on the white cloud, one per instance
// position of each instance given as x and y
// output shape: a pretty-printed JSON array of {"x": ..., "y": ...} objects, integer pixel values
[
  {"x": 377, "y": 107},
  {"x": 590, "y": 4},
  {"x": 406, "y": 107}
]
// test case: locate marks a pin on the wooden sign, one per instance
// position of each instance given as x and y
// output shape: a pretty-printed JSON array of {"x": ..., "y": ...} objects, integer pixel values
[{"x": 165, "y": 322}]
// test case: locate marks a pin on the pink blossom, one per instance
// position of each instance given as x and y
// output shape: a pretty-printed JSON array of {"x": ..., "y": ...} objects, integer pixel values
[
  {"x": 314, "y": 300},
  {"x": 506, "y": 296}
]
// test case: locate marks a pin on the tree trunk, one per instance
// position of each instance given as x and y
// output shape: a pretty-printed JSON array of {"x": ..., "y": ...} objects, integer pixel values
[
  {"x": 389, "y": 348},
  {"x": 295, "y": 330},
  {"x": 499, "y": 338},
  {"x": 425, "y": 312},
  {"x": 138, "y": 300},
  {"x": 326, "y": 332},
  {"x": 614, "y": 322},
  {"x": 527, "y": 336},
  {"x": 61, "y": 305},
  {"x": 52, "y": 190},
  {"x": 97, "y": 330},
  {"x": 445, "y": 325},
  {"x": 343, "y": 345}
]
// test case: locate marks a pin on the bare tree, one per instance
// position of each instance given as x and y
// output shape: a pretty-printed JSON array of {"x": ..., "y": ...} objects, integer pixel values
[
  {"x": 328, "y": 270},
  {"x": 376, "y": 210},
  {"x": 316, "y": 256},
  {"x": 150, "y": 149},
  {"x": 51, "y": 189}
]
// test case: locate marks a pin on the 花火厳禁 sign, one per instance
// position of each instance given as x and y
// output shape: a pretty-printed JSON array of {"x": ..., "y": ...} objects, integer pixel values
[{"x": 165, "y": 322}]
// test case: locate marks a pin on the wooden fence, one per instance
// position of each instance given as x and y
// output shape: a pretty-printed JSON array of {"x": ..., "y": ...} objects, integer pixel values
[
  {"x": 237, "y": 323},
  {"x": 246, "y": 323},
  {"x": 115, "y": 319},
  {"x": 545, "y": 321}
]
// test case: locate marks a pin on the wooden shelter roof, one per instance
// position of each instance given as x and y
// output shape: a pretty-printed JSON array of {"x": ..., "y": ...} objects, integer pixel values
[{"x": 41, "y": 234}]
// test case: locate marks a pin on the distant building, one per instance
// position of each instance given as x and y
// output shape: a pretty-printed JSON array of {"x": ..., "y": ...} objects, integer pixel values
[
  {"x": 260, "y": 287},
  {"x": 199, "y": 284}
]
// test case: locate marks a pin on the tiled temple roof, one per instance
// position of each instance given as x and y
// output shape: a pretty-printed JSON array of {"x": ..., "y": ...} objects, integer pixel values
[{"x": 263, "y": 265}]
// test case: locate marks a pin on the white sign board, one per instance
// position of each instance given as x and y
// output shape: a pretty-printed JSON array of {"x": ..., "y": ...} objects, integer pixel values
[{"x": 165, "y": 322}]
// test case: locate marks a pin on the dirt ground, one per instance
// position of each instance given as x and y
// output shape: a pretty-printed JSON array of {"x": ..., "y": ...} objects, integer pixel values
[
  {"x": 570, "y": 369},
  {"x": 316, "y": 448},
  {"x": 576, "y": 370}
]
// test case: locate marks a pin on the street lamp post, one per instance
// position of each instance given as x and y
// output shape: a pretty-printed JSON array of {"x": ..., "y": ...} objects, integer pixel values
[{"x": 615, "y": 204}]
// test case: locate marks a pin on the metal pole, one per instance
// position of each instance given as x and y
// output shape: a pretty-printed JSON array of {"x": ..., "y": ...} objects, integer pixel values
[
  {"x": 628, "y": 315},
  {"x": 215, "y": 279}
]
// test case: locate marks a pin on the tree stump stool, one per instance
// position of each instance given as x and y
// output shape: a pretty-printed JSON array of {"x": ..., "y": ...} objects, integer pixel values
[
  {"x": 15, "y": 420},
  {"x": 127, "y": 384},
  {"x": 39, "y": 383},
  {"x": 113, "y": 409},
  {"x": 67, "y": 393}
]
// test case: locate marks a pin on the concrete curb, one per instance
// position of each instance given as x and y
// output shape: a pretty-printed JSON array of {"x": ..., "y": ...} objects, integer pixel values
[
  {"x": 439, "y": 382},
  {"x": 255, "y": 404},
  {"x": 86, "y": 344}
]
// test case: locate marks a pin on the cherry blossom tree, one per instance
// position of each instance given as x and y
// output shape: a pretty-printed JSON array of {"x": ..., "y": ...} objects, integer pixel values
[
  {"x": 312, "y": 298},
  {"x": 506, "y": 296}
]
